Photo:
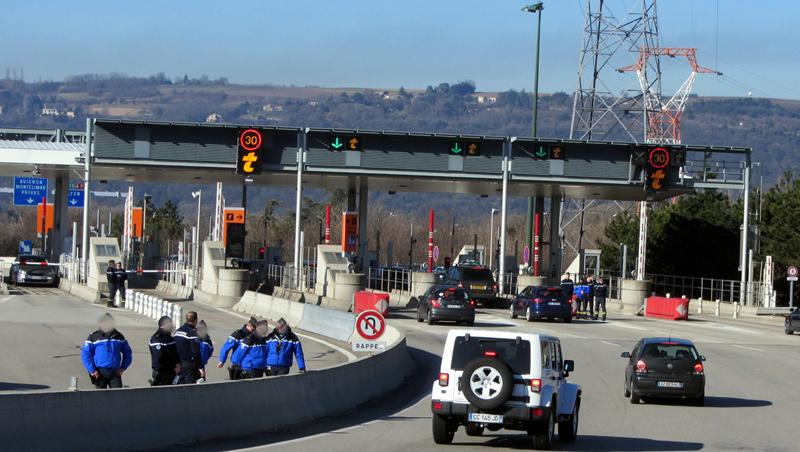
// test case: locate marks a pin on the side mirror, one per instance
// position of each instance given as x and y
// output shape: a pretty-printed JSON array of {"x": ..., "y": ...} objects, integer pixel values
[
  {"x": 569, "y": 365},
  {"x": 625, "y": 355}
]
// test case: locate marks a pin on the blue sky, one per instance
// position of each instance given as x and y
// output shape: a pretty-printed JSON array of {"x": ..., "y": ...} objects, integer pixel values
[{"x": 383, "y": 43}]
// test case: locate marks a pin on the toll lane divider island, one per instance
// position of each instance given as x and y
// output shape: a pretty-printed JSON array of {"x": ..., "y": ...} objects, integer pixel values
[{"x": 68, "y": 420}]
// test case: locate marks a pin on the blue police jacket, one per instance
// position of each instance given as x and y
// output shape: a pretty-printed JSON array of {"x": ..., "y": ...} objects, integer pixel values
[
  {"x": 206, "y": 349},
  {"x": 251, "y": 353},
  {"x": 232, "y": 343},
  {"x": 106, "y": 351},
  {"x": 582, "y": 291},
  {"x": 281, "y": 349}
]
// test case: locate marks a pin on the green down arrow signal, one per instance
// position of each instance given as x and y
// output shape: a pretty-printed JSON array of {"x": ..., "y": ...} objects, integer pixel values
[
  {"x": 456, "y": 148},
  {"x": 337, "y": 143},
  {"x": 541, "y": 152}
]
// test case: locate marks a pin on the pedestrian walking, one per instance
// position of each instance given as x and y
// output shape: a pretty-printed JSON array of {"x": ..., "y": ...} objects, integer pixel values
[
  {"x": 252, "y": 354},
  {"x": 600, "y": 295},
  {"x": 232, "y": 344},
  {"x": 106, "y": 354},
  {"x": 283, "y": 345},
  {"x": 121, "y": 278},
  {"x": 188, "y": 347},
  {"x": 164, "y": 354},
  {"x": 111, "y": 278},
  {"x": 206, "y": 345}
]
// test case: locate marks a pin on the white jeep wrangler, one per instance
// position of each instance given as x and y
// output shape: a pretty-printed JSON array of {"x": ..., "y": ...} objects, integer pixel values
[{"x": 504, "y": 379}]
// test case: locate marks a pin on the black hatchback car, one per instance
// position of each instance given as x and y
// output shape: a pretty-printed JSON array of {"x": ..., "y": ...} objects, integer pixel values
[
  {"x": 792, "y": 323},
  {"x": 446, "y": 303},
  {"x": 665, "y": 367},
  {"x": 476, "y": 280}
]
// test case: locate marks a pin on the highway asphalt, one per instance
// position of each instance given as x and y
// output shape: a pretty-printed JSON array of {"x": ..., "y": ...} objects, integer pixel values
[
  {"x": 752, "y": 395},
  {"x": 42, "y": 330}
]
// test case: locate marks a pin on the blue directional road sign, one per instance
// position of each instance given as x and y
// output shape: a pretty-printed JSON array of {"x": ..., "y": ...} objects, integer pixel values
[
  {"x": 25, "y": 247},
  {"x": 29, "y": 190},
  {"x": 75, "y": 195}
]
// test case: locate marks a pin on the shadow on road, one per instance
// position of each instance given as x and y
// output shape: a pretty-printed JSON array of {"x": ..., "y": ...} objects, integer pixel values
[
  {"x": 591, "y": 442},
  {"x": 716, "y": 402},
  {"x": 5, "y": 386}
]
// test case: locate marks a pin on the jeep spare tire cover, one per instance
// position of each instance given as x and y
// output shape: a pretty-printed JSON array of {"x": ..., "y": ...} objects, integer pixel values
[{"x": 487, "y": 383}]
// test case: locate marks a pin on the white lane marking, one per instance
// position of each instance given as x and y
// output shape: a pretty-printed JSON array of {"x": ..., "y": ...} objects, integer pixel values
[
  {"x": 347, "y": 354},
  {"x": 626, "y": 326},
  {"x": 747, "y": 348},
  {"x": 611, "y": 343},
  {"x": 306, "y": 438},
  {"x": 575, "y": 336}
]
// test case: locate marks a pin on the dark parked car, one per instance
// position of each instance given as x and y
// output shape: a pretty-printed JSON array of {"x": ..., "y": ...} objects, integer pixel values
[
  {"x": 29, "y": 269},
  {"x": 448, "y": 303},
  {"x": 792, "y": 323},
  {"x": 539, "y": 302},
  {"x": 476, "y": 280},
  {"x": 665, "y": 367}
]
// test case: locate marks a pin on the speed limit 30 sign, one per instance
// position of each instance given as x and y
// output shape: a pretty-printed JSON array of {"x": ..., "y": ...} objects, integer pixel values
[{"x": 370, "y": 326}]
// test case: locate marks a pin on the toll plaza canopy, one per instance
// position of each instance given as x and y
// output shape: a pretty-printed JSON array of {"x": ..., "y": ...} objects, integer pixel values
[{"x": 405, "y": 161}]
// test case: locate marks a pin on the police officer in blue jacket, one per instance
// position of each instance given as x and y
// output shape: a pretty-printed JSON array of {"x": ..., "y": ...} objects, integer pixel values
[
  {"x": 232, "y": 344},
  {"x": 106, "y": 354},
  {"x": 251, "y": 355},
  {"x": 283, "y": 343},
  {"x": 206, "y": 346},
  {"x": 188, "y": 346}
]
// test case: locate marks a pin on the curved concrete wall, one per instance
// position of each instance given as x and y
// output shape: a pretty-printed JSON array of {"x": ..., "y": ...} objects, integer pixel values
[{"x": 140, "y": 418}]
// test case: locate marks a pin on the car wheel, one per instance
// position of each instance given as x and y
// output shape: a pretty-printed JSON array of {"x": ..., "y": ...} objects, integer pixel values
[
  {"x": 474, "y": 429},
  {"x": 430, "y": 318},
  {"x": 634, "y": 396},
  {"x": 627, "y": 390},
  {"x": 568, "y": 319},
  {"x": 528, "y": 315},
  {"x": 543, "y": 440},
  {"x": 568, "y": 430},
  {"x": 487, "y": 383},
  {"x": 419, "y": 316},
  {"x": 787, "y": 327},
  {"x": 470, "y": 322},
  {"x": 511, "y": 311},
  {"x": 699, "y": 401},
  {"x": 442, "y": 432}
]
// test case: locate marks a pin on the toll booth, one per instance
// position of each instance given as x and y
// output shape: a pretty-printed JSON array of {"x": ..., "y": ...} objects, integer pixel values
[
  {"x": 220, "y": 286},
  {"x": 587, "y": 262},
  {"x": 330, "y": 265},
  {"x": 101, "y": 250}
]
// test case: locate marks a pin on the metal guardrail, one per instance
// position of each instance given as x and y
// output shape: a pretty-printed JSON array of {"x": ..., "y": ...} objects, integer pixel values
[
  {"x": 725, "y": 290},
  {"x": 384, "y": 279}
]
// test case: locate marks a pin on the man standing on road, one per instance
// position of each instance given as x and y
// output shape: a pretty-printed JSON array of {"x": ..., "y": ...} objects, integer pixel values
[
  {"x": 232, "y": 344},
  {"x": 163, "y": 354},
  {"x": 188, "y": 347},
  {"x": 111, "y": 278},
  {"x": 283, "y": 343},
  {"x": 106, "y": 354},
  {"x": 251, "y": 355},
  {"x": 590, "y": 297},
  {"x": 600, "y": 294},
  {"x": 206, "y": 346},
  {"x": 121, "y": 277},
  {"x": 568, "y": 286}
]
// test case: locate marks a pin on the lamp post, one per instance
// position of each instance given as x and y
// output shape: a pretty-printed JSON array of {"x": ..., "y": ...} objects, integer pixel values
[
  {"x": 534, "y": 8},
  {"x": 196, "y": 251},
  {"x": 491, "y": 238}
]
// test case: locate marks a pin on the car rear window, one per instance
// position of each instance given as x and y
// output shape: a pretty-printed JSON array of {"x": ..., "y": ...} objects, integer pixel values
[
  {"x": 453, "y": 295},
  {"x": 516, "y": 355},
  {"x": 481, "y": 274},
  {"x": 670, "y": 351},
  {"x": 556, "y": 292},
  {"x": 32, "y": 259}
]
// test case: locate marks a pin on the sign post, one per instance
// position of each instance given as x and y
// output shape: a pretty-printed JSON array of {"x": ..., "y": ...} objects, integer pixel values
[
  {"x": 370, "y": 326},
  {"x": 791, "y": 276}
]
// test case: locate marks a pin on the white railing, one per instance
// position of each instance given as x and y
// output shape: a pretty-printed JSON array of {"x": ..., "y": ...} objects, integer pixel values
[{"x": 150, "y": 305}]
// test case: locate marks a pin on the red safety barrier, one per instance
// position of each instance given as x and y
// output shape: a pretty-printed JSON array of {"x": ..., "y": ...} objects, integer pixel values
[
  {"x": 667, "y": 308},
  {"x": 371, "y": 301}
]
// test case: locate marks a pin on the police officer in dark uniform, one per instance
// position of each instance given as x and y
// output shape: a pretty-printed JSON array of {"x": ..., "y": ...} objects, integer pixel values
[
  {"x": 164, "y": 354},
  {"x": 121, "y": 277},
  {"x": 568, "y": 286},
  {"x": 111, "y": 278},
  {"x": 600, "y": 295},
  {"x": 188, "y": 347},
  {"x": 232, "y": 344},
  {"x": 106, "y": 354},
  {"x": 590, "y": 297}
]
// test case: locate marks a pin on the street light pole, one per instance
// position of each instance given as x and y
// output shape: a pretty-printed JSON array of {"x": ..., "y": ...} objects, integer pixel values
[
  {"x": 534, "y": 202},
  {"x": 196, "y": 252},
  {"x": 491, "y": 238}
]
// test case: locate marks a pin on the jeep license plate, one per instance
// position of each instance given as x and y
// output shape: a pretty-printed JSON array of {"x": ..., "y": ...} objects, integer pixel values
[
  {"x": 484, "y": 418},
  {"x": 669, "y": 384}
]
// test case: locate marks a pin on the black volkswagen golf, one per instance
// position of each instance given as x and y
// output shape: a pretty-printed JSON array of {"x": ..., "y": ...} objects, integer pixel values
[{"x": 665, "y": 367}]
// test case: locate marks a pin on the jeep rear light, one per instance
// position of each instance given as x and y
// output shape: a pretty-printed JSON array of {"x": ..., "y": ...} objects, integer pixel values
[
  {"x": 490, "y": 354},
  {"x": 444, "y": 379},
  {"x": 460, "y": 285},
  {"x": 698, "y": 369},
  {"x": 641, "y": 366},
  {"x": 536, "y": 385},
  {"x": 537, "y": 412}
]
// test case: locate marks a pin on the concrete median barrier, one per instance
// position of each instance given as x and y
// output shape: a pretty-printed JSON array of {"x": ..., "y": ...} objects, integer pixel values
[
  {"x": 327, "y": 322},
  {"x": 125, "y": 419}
]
